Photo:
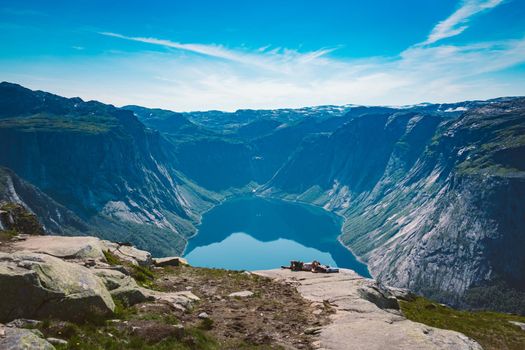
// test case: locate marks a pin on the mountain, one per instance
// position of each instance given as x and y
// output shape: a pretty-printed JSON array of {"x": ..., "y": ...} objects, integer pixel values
[
  {"x": 103, "y": 164},
  {"x": 163, "y": 120},
  {"x": 431, "y": 193},
  {"x": 431, "y": 203}
]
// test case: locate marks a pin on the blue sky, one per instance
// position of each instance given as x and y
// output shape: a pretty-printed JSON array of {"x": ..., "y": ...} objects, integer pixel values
[{"x": 200, "y": 55}]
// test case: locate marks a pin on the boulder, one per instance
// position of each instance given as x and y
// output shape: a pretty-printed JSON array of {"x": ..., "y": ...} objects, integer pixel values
[
  {"x": 57, "y": 341},
  {"x": 129, "y": 253},
  {"x": 243, "y": 294},
  {"x": 519, "y": 324},
  {"x": 80, "y": 248},
  {"x": 179, "y": 300},
  {"x": 12, "y": 338},
  {"x": 41, "y": 286},
  {"x": 400, "y": 293},
  {"x": 23, "y": 323},
  {"x": 121, "y": 286},
  {"x": 381, "y": 297},
  {"x": 170, "y": 261}
]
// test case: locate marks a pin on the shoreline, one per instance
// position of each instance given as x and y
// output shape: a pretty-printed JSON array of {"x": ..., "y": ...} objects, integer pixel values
[
  {"x": 296, "y": 201},
  {"x": 253, "y": 193}
]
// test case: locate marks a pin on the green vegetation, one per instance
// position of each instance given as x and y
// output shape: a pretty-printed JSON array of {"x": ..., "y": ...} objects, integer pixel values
[
  {"x": 45, "y": 122},
  {"x": 233, "y": 323},
  {"x": 498, "y": 295},
  {"x": 143, "y": 275},
  {"x": 491, "y": 330},
  {"x": 23, "y": 222},
  {"x": 7, "y": 235},
  {"x": 111, "y": 258},
  {"x": 117, "y": 335}
]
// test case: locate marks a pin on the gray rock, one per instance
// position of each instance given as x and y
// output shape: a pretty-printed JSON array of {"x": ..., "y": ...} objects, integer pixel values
[
  {"x": 180, "y": 300},
  {"x": 57, "y": 341},
  {"x": 203, "y": 315},
  {"x": 89, "y": 250},
  {"x": 41, "y": 286},
  {"x": 121, "y": 286},
  {"x": 22, "y": 339},
  {"x": 519, "y": 324},
  {"x": 381, "y": 297},
  {"x": 23, "y": 323},
  {"x": 242, "y": 294},
  {"x": 129, "y": 253},
  {"x": 169, "y": 261},
  {"x": 80, "y": 248},
  {"x": 401, "y": 293},
  {"x": 312, "y": 330},
  {"x": 365, "y": 316}
]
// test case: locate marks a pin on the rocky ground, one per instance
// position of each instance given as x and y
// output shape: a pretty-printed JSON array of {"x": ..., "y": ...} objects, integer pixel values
[
  {"x": 246, "y": 306},
  {"x": 367, "y": 315},
  {"x": 86, "y": 293}
]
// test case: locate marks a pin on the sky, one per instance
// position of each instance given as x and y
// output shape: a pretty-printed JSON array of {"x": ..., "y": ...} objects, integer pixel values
[{"x": 228, "y": 55}]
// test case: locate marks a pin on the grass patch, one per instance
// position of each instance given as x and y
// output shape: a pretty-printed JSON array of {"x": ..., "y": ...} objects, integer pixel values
[
  {"x": 144, "y": 276},
  {"x": 206, "y": 324},
  {"x": 7, "y": 235},
  {"x": 491, "y": 330},
  {"x": 111, "y": 258},
  {"x": 89, "y": 124},
  {"x": 120, "y": 335}
]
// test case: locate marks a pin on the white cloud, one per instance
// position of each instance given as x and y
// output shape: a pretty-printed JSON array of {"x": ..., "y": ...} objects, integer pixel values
[
  {"x": 204, "y": 77},
  {"x": 458, "y": 21},
  {"x": 218, "y": 51},
  {"x": 209, "y": 50}
]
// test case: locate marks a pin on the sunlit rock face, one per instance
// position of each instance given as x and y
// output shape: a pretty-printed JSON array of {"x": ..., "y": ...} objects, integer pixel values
[{"x": 432, "y": 203}]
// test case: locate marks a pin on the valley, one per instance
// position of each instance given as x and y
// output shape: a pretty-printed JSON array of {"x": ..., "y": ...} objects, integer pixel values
[{"x": 430, "y": 195}]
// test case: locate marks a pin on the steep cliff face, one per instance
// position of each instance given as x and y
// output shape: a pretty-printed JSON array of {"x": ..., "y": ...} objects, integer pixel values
[
  {"x": 431, "y": 203},
  {"x": 16, "y": 193},
  {"x": 103, "y": 164}
]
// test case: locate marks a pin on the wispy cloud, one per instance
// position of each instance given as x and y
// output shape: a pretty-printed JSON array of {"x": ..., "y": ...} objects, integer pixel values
[
  {"x": 202, "y": 76},
  {"x": 290, "y": 79},
  {"x": 260, "y": 57},
  {"x": 457, "y": 23},
  {"x": 208, "y": 50}
]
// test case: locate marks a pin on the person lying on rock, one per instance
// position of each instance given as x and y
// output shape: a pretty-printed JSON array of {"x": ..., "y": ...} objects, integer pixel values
[
  {"x": 295, "y": 265},
  {"x": 314, "y": 266}
]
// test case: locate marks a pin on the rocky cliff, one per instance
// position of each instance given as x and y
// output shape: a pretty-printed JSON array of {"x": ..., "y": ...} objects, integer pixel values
[
  {"x": 101, "y": 163},
  {"x": 18, "y": 198},
  {"x": 431, "y": 203}
]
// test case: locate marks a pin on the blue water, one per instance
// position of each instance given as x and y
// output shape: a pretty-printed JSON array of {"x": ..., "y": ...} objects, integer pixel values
[{"x": 254, "y": 234}]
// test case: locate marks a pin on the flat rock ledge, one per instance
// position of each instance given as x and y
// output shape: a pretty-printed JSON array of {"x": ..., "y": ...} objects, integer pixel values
[
  {"x": 367, "y": 315},
  {"x": 69, "y": 278},
  {"x": 12, "y": 338}
]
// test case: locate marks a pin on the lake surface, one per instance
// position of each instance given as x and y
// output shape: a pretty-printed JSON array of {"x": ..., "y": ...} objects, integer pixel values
[{"x": 255, "y": 233}]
